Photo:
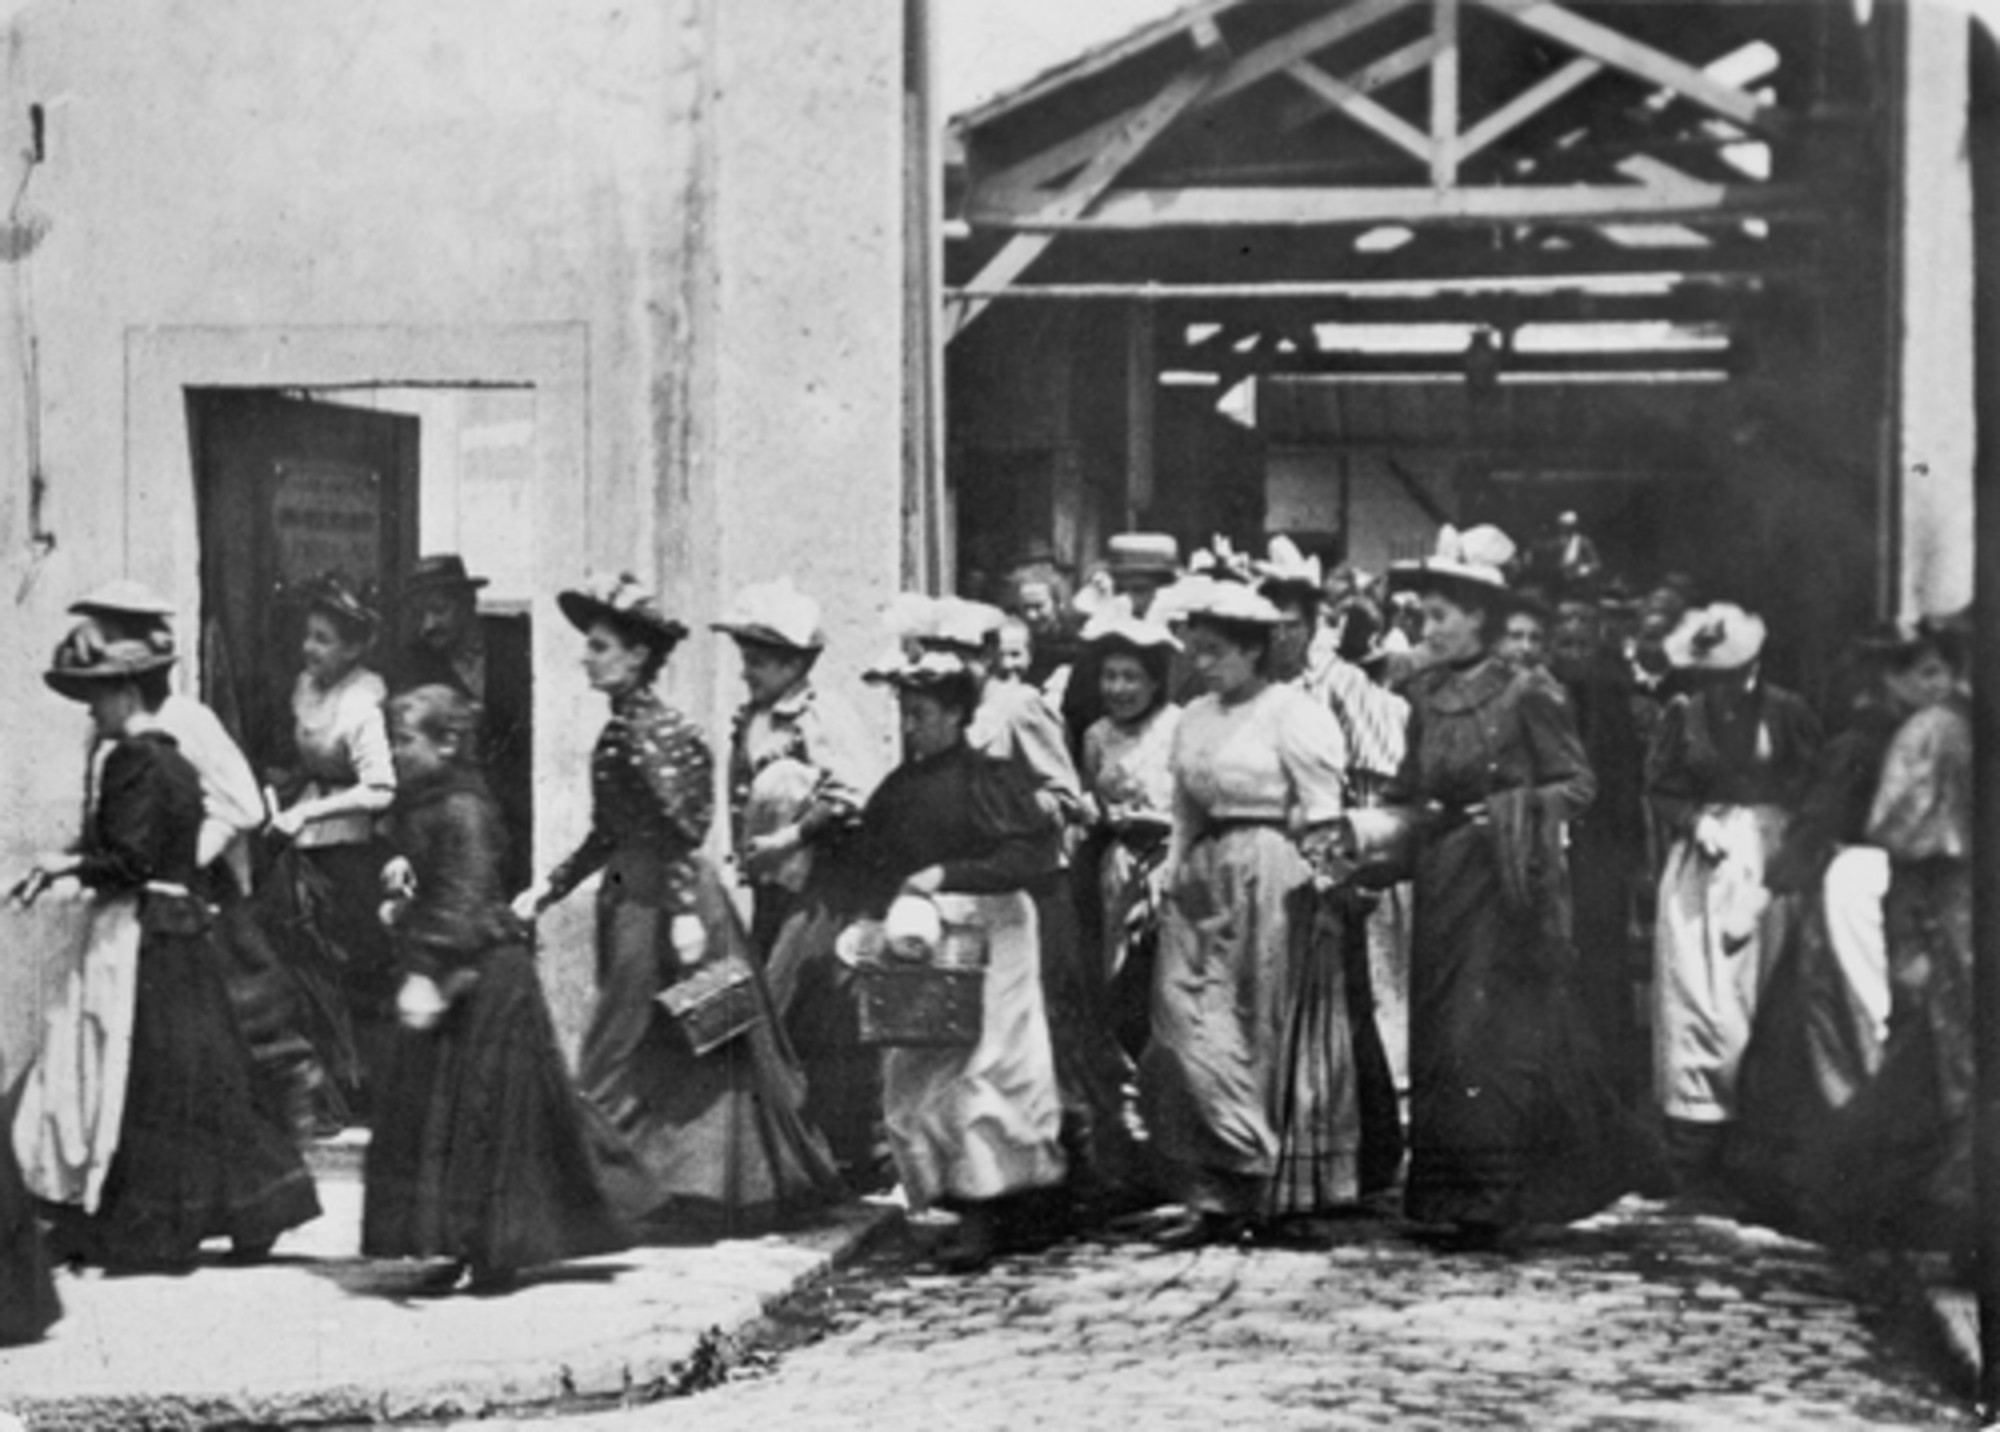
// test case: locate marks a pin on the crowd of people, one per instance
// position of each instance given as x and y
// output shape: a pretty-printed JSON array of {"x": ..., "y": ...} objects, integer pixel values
[{"x": 1239, "y": 889}]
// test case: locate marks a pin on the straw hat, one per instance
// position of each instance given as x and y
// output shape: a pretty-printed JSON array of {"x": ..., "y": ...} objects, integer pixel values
[
  {"x": 1143, "y": 554},
  {"x": 85, "y": 660},
  {"x": 1722, "y": 637},
  {"x": 947, "y": 623},
  {"x": 1114, "y": 624},
  {"x": 623, "y": 603},
  {"x": 1208, "y": 599},
  {"x": 1475, "y": 559},
  {"x": 774, "y": 614},
  {"x": 921, "y": 672},
  {"x": 1284, "y": 566},
  {"x": 123, "y": 598}
]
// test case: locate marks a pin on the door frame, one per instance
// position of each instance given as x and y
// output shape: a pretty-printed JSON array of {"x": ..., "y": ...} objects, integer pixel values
[{"x": 162, "y": 546}]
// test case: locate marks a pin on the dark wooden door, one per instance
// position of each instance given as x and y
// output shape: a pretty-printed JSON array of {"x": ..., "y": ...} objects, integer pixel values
[{"x": 290, "y": 490}]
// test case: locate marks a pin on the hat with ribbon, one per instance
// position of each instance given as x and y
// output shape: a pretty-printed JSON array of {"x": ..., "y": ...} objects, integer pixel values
[
  {"x": 1722, "y": 637},
  {"x": 1113, "y": 624},
  {"x": 1220, "y": 561},
  {"x": 441, "y": 572},
  {"x": 86, "y": 659},
  {"x": 621, "y": 602},
  {"x": 943, "y": 623},
  {"x": 123, "y": 598},
  {"x": 1143, "y": 554},
  {"x": 332, "y": 595},
  {"x": 1473, "y": 561},
  {"x": 1205, "y": 598},
  {"x": 920, "y": 672},
  {"x": 1286, "y": 569},
  {"x": 775, "y": 614}
]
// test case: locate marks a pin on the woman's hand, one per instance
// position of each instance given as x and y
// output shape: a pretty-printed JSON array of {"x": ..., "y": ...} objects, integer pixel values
[
  {"x": 927, "y": 881},
  {"x": 45, "y": 873},
  {"x": 531, "y": 902},
  {"x": 690, "y": 939},
  {"x": 399, "y": 878}
]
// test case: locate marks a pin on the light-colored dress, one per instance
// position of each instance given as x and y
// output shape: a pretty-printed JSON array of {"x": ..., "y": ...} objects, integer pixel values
[
  {"x": 1730, "y": 785},
  {"x": 1129, "y": 771},
  {"x": 342, "y": 742},
  {"x": 1219, "y": 1086}
]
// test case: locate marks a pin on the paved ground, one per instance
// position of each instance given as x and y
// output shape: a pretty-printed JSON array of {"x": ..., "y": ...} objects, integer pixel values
[
  {"x": 1637, "y": 1320},
  {"x": 323, "y": 1335}
]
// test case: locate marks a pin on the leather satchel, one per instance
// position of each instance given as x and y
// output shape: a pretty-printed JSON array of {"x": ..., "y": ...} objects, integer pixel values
[{"x": 715, "y": 1004}]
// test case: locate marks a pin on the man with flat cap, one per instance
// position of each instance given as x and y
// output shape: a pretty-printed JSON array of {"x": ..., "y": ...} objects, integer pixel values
[{"x": 446, "y": 644}]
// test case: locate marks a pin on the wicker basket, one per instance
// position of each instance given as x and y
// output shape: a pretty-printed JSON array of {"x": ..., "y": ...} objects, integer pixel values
[
  {"x": 921, "y": 1006},
  {"x": 715, "y": 1004}
]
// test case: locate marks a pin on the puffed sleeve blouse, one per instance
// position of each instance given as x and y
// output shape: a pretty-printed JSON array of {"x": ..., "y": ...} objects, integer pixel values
[
  {"x": 1279, "y": 756},
  {"x": 343, "y": 742},
  {"x": 651, "y": 785}
]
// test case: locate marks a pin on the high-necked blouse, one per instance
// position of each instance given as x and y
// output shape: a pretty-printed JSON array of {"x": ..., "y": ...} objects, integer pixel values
[
  {"x": 1130, "y": 769},
  {"x": 342, "y": 742},
  {"x": 1760, "y": 751},
  {"x": 1484, "y": 729},
  {"x": 1278, "y": 756},
  {"x": 651, "y": 786}
]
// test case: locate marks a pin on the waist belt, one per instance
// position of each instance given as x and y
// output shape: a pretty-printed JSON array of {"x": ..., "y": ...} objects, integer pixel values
[
  {"x": 171, "y": 908},
  {"x": 1245, "y": 822}
]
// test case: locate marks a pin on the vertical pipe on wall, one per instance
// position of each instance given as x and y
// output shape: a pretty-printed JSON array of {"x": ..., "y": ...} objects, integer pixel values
[
  {"x": 1985, "y": 153},
  {"x": 927, "y": 557},
  {"x": 1140, "y": 386}
]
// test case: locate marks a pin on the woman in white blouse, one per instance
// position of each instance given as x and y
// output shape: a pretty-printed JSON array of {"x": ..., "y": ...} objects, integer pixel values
[
  {"x": 1250, "y": 1086},
  {"x": 344, "y": 781}
]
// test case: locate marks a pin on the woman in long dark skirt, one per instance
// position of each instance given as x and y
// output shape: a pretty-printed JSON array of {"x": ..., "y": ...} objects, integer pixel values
[
  {"x": 1513, "y": 1121},
  {"x": 28, "y": 1304},
  {"x": 194, "y": 1156},
  {"x": 711, "y": 1142},
  {"x": 478, "y": 1154}
]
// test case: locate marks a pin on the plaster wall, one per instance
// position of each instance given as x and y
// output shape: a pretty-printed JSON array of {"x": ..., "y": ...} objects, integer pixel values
[
  {"x": 1936, "y": 439},
  {"x": 235, "y": 192}
]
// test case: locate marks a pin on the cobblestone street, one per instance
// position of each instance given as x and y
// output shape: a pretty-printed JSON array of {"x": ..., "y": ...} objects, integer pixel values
[{"x": 1636, "y": 1319}]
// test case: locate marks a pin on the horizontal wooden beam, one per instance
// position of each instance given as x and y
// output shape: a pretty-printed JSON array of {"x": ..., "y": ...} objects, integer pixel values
[
  {"x": 1310, "y": 364},
  {"x": 1647, "y": 62},
  {"x": 1138, "y": 210}
]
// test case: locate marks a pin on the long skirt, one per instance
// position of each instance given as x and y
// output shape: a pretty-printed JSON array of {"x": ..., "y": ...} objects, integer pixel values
[
  {"x": 716, "y": 1140},
  {"x": 28, "y": 1303},
  {"x": 813, "y": 994},
  {"x": 1092, "y": 1071},
  {"x": 1897, "y": 1166},
  {"x": 1513, "y": 1119},
  {"x": 1717, "y": 938},
  {"x": 1253, "y": 1088},
  {"x": 1816, "y": 1040},
  {"x": 973, "y": 1125},
  {"x": 1126, "y": 928},
  {"x": 196, "y": 1157},
  {"x": 1339, "y": 1129},
  {"x": 478, "y": 1150}
]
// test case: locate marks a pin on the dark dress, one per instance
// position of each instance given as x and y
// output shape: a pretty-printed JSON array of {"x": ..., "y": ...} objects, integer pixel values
[
  {"x": 979, "y": 1124},
  {"x": 717, "y": 1139},
  {"x": 196, "y": 1157},
  {"x": 478, "y": 1149},
  {"x": 1512, "y": 1118},
  {"x": 28, "y": 1303},
  {"x": 1896, "y": 1168}
]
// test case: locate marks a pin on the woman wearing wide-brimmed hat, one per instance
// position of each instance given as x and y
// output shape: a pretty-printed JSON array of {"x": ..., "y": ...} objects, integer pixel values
[
  {"x": 343, "y": 783},
  {"x": 800, "y": 767},
  {"x": 1512, "y": 1118},
  {"x": 710, "y": 1141},
  {"x": 1726, "y": 772},
  {"x": 973, "y": 1130},
  {"x": 139, "y": 1125},
  {"x": 1244, "y": 1132}
]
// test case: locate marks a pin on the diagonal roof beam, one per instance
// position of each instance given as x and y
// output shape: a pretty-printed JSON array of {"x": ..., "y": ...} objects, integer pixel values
[
  {"x": 1265, "y": 60},
  {"x": 1634, "y": 57},
  {"x": 1396, "y": 65},
  {"x": 1145, "y": 125},
  {"x": 1357, "y": 106},
  {"x": 1527, "y": 104}
]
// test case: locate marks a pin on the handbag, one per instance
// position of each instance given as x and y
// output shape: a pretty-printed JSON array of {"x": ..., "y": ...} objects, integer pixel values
[{"x": 715, "y": 1004}]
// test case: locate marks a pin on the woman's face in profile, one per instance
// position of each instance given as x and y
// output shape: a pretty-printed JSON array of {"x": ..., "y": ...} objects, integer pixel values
[
  {"x": 326, "y": 653},
  {"x": 1452, "y": 632},
  {"x": 610, "y": 662}
]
